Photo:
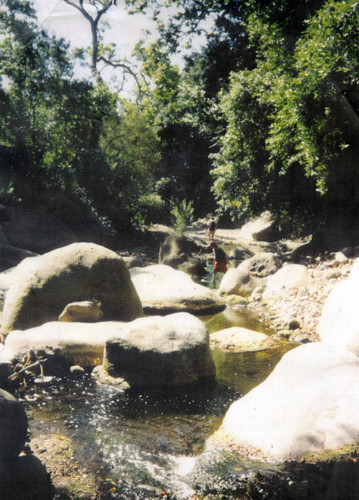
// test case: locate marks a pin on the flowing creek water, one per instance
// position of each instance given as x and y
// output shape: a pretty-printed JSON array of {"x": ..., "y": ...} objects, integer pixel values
[{"x": 147, "y": 443}]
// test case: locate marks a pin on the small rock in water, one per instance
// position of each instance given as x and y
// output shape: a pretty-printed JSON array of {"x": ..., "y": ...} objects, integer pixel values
[
  {"x": 77, "y": 370},
  {"x": 43, "y": 380}
]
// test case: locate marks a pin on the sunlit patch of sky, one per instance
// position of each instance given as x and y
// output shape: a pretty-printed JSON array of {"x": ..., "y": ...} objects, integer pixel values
[
  {"x": 124, "y": 30},
  {"x": 65, "y": 21}
]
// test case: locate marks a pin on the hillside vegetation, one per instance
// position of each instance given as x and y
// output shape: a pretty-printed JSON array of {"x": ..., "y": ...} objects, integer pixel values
[{"x": 264, "y": 116}]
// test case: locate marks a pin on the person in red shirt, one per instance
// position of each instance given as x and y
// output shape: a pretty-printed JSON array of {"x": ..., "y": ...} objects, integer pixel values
[{"x": 220, "y": 260}]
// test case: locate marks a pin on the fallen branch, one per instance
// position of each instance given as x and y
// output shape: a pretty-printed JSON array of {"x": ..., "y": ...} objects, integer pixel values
[{"x": 39, "y": 362}]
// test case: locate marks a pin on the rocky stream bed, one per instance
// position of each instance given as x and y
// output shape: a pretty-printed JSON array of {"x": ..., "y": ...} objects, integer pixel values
[{"x": 291, "y": 318}]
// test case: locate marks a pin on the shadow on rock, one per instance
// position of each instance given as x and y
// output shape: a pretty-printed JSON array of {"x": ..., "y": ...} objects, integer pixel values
[{"x": 25, "y": 478}]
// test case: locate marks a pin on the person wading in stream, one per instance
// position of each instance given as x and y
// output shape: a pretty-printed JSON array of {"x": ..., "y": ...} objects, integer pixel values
[{"x": 220, "y": 260}]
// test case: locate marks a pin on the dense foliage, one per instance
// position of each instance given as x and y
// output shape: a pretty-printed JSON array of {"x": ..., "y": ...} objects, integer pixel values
[
  {"x": 263, "y": 115},
  {"x": 65, "y": 143},
  {"x": 291, "y": 138}
]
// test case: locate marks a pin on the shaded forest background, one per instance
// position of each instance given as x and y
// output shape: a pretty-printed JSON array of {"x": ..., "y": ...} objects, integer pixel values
[{"x": 264, "y": 116}]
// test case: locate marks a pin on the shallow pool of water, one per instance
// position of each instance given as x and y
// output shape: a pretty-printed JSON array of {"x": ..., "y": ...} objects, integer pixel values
[{"x": 149, "y": 440}]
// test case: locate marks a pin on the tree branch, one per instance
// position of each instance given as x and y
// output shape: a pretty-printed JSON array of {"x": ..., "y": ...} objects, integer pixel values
[
  {"x": 124, "y": 66},
  {"x": 80, "y": 8}
]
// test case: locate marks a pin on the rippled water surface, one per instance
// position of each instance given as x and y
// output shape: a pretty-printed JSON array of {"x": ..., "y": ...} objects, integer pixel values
[{"x": 149, "y": 440}]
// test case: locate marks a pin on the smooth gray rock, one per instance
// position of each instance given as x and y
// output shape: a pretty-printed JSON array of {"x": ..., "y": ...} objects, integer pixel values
[
  {"x": 42, "y": 286},
  {"x": 262, "y": 228},
  {"x": 76, "y": 343},
  {"x": 289, "y": 276},
  {"x": 262, "y": 264},
  {"x": 239, "y": 339},
  {"x": 161, "y": 352},
  {"x": 238, "y": 281},
  {"x": 338, "y": 324},
  {"x": 176, "y": 249},
  {"x": 85, "y": 311}
]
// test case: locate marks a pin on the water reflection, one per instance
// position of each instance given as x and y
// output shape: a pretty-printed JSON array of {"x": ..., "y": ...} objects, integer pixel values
[
  {"x": 234, "y": 316},
  {"x": 241, "y": 372}
]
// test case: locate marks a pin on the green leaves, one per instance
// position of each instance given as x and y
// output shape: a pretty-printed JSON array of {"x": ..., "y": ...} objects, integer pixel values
[
  {"x": 182, "y": 215},
  {"x": 288, "y": 117}
]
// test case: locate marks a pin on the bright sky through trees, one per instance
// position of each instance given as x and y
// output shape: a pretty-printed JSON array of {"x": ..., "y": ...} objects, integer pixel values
[
  {"x": 65, "y": 21},
  {"x": 124, "y": 30}
]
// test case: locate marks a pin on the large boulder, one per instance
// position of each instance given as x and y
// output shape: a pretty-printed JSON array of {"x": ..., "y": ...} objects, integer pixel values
[
  {"x": 37, "y": 232},
  {"x": 194, "y": 267},
  {"x": 163, "y": 289},
  {"x": 239, "y": 254},
  {"x": 249, "y": 275},
  {"x": 239, "y": 281},
  {"x": 161, "y": 352},
  {"x": 309, "y": 403},
  {"x": 176, "y": 249},
  {"x": 42, "y": 286},
  {"x": 76, "y": 343},
  {"x": 289, "y": 276},
  {"x": 339, "y": 324},
  {"x": 263, "y": 228},
  {"x": 13, "y": 426}
]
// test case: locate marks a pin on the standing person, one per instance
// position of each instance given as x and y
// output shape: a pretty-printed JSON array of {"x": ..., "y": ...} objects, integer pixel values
[
  {"x": 211, "y": 229},
  {"x": 220, "y": 260}
]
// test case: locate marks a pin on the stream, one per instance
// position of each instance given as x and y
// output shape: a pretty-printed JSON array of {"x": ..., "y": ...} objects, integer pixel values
[{"x": 145, "y": 444}]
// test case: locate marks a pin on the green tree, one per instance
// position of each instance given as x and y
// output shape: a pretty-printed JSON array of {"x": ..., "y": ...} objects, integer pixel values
[
  {"x": 132, "y": 148},
  {"x": 32, "y": 66},
  {"x": 292, "y": 121},
  {"x": 52, "y": 125},
  {"x": 184, "y": 102}
]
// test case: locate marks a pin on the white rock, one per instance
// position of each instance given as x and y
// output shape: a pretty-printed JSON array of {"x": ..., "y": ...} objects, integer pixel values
[
  {"x": 42, "y": 286},
  {"x": 339, "y": 325},
  {"x": 238, "y": 281},
  {"x": 310, "y": 402},
  {"x": 161, "y": 288},
  {"x": 260, "y": 229},
  {"x": 79, "y": 343},
  {"x": 161, "y": 351},
  {"x": 86, "y": 310}
]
